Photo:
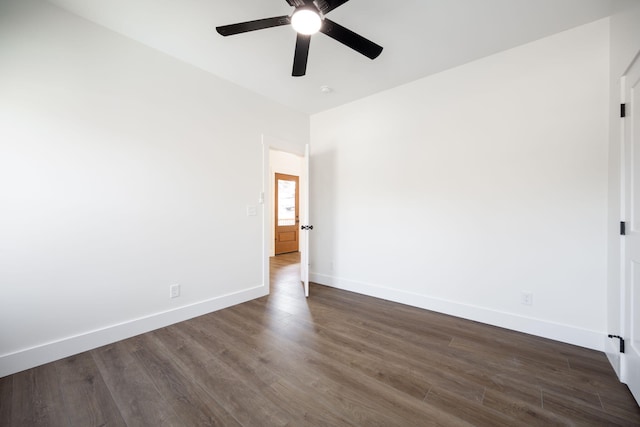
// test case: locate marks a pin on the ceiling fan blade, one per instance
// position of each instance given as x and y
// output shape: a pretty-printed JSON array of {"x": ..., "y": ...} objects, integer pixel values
[
  {"x": 351, "y": 39},
  {"x": 333, "y": 4},
  {"x": 259, "y": 24},
  {"x": 301, "y": 55}
]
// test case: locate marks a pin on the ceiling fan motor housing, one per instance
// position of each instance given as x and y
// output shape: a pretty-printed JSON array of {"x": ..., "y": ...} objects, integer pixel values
[{"x": 318, "y": 6}]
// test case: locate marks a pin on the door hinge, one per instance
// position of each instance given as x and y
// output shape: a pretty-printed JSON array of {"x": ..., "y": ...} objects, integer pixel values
[
  {"x": 621, "y": 342},
  {"x": 623, "y": 110},
  {"x": 623, "y": 228}
]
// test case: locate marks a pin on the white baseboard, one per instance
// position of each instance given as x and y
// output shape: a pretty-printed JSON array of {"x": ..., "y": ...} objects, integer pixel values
[
  {"x": 542, "y": 328},
  {"x": 49, "y": 352}
]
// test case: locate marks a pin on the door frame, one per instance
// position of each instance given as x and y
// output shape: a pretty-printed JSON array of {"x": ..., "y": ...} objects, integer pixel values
[
  {"x": 616, "y": 301},
  {"x": 271, "y": 143}
]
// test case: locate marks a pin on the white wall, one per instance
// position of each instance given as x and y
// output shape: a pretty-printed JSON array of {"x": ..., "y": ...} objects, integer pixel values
[
  {"x": 460, "y": 191},
  {"x": 625, "y": 45},
  {"x": 122, "y": 171}
]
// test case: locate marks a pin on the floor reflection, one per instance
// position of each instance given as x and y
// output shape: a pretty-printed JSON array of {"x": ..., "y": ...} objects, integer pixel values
[{"x": 286, "y": 301}]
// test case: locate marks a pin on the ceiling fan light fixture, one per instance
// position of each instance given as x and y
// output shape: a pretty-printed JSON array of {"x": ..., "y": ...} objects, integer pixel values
[{"x": 306, "y": 21}]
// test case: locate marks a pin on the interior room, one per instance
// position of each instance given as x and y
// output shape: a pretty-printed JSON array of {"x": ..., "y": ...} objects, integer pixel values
[{"x": 457, "y": 161}]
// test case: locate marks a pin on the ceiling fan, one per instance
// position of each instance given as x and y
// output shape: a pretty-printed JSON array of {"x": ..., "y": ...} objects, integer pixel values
[{"x": 308, "y": 18}]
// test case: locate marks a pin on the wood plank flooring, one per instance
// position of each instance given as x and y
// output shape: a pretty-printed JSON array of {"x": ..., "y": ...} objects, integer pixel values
[{"x": 336, "y": 359}]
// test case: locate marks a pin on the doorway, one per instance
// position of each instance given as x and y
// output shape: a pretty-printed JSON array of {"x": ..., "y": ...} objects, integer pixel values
[
  {"x": 289, "y": 161},
  {"x": 287, "y": 213}
]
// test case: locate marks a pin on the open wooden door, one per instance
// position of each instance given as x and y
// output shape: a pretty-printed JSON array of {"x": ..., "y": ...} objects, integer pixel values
[
  {"x": 631, "y": 252},
  {"x": 305, "y": 228},
  {"x": 287, "y": 208}
]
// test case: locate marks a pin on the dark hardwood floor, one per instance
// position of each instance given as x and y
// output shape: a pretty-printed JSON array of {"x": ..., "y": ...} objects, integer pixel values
[{"x": 335, "y": 359}]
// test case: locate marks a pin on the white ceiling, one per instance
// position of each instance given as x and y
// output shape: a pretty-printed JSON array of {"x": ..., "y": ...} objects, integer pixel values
[{"x": 420, "y": 38}]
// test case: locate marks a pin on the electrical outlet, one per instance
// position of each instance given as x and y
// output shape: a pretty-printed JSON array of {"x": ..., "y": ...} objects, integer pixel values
[
  {"x": 174, "y": 291},
  {"x": 527, "y": 298}
]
